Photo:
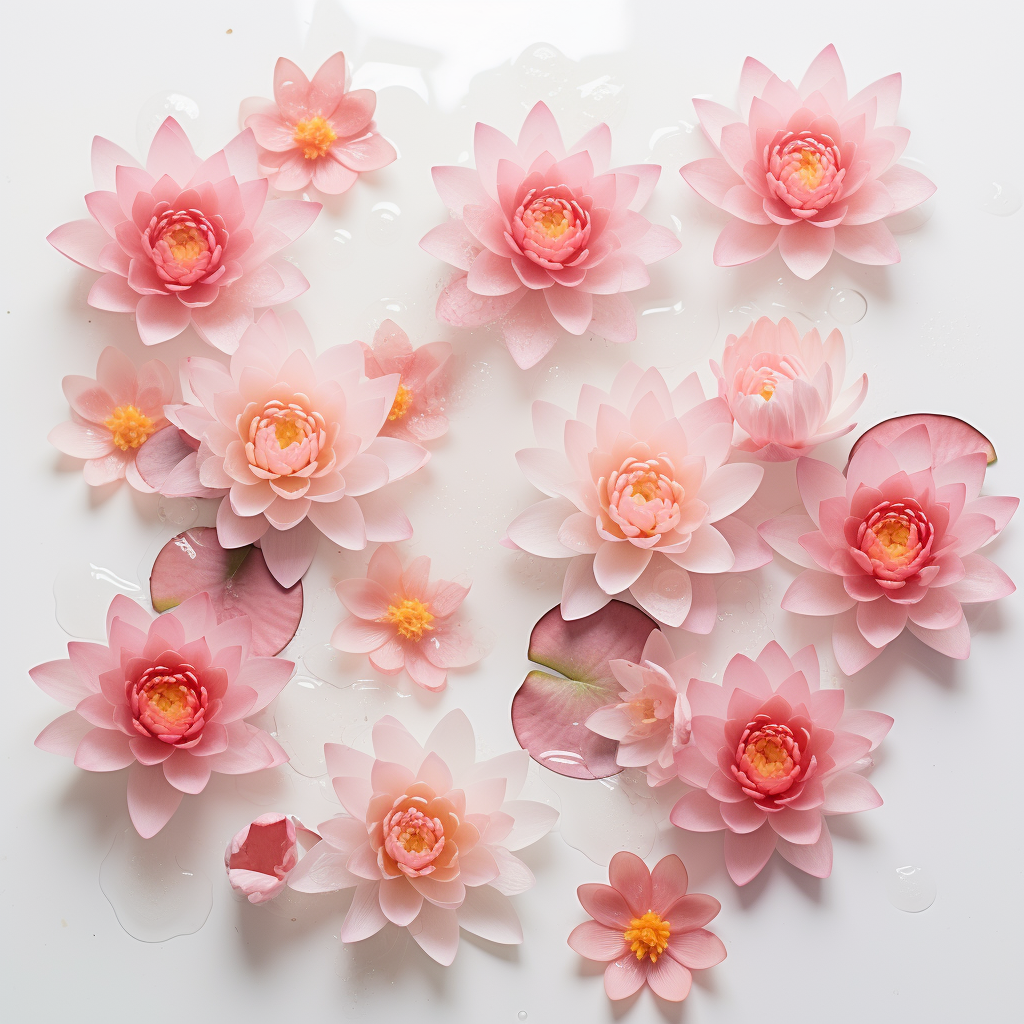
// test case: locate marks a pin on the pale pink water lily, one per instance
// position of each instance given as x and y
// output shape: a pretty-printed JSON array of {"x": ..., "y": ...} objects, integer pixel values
[
  {"x": 403, "y": 620},
  {"x": 772, "y": 755},
  {"x": 546, "y": 239},
  {"x": 785, "y": 391},
  {"x": 651, "y": 722},
  {"x": 260, "y": 857},
  {"x": 417, "y": 413},
  {"x": 185, "y": 240},
  {"x": 291, "y": 438},
  {"x": 807, "y": 168},
  {"x": 893, "y": 545},
  {"x": 316, "y": 131},
  {"x": 113, "y": 416},
  {"x": 640, "y": 497},
  {"x": 165, "y": 695},
  {"x": 647, "y": 928},
  {"x": 429, "y": 836}
]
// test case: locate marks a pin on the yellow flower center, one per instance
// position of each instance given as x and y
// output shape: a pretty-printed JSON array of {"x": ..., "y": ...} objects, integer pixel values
[
  {"x": 892, "y": 535},
  {"x": 187, "y": 244},
  {"x": 287, "y": 432},
  {"x": 767, "y": 389},
  {"x": 314, "y": 136},
  {"x": 554, "y": 223},
  {"x": 810, "y": 170},
  {"x": 768, "y": 757},
  {"x": 129, "y": 426},
  {"x": 646, "y": 488},
  {"x": 171, "y": 697},
  {"x": 411, "y": 617},
  {"x": 400, "y": 406},
  {"x": 647, "y": 936},
  {"x": 644, "y": 711}
]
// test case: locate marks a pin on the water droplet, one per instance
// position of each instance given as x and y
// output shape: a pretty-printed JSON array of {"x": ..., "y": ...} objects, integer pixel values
[
  {"x": 847, "y": 306},
  {"x": 181, "y": 513},
  {"x": 522, "y": 1015},
  {"x": 910, "y": 888},
  {"x": 342, "y": 237},
  {"x": 1003, "y": 199},
  {"x": 673, "y": 145},
  {"x": 672, "y": 583},
  {"x": 158, "y": 108},
  {"x": 153, "y": 896},
  {"x": 602, "y": 99},
  {"x": 81, "y": 595},
  {"x": 384, "y": 222}
]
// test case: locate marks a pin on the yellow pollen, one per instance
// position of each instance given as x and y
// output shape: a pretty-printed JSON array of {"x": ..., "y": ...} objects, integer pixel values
[
  {"x": 767, "y": 757},
  {"x": 411, "y": 617},
  {"x": 186, "y": 243},
  {"x": 767, "y": 390},
  {"x": 647, "y": 936},
  {"x": 810, "y": 170},
  {"x": 645, "y": 710},
  {"x": 129, "y": 426},
  {"x": 400, "y": 406},
  {"x": 892, "y": 535},
  {"x": 645, "y": 490},
  {"x": 414, "y": 842},
  {"x": 170, "y": 697},
  {"x": 314, "y": 136},
  {"x": 555, "y": 223},
  {"x": 287, "y": 432}
]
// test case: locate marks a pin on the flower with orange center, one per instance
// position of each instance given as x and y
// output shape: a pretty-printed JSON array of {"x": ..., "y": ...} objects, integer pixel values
[
  {"x": 285, "y": 439},
  {"x": 413, "y": 835},
  {"x": 411, "y": 617},
  {"x": 169, "y": 704},
  {"x": 552, "y": 226},
  {"x": 769, "y": 759},
  {"x": 129, "y": 427},
  {"x": 185, "y": 246},
  {"x": 648, "y": 936},
  {"x": 314, "y": 136},
  {"x": 894, "y": 540},
  {"x": 400, "y": 406}
]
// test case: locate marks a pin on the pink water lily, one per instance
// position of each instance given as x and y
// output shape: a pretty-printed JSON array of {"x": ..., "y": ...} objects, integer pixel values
[
  {"x": 640, "y": 498},
  {"x": 167, "y": 696},
  {"x": 647, "y": 928},
  {"x": 403, "y": 620},
  {"x": 785, "y": 391},
  {"x": 292, "y": 440},
  {"x": 651, "y": 721},
  {"x": 417, "y": 414},
  {"x": 113, "y": 416},
  {"x": 428, "y": 837},
  {"x": 773, "y": 754},
  {"x": 316, "y": 131},
  {"x": 807, "y": 168},
  {"x": 260, "y": 857},
  {"x": 185, "y": 240},
  {"x": 893, "y": 545},
  {"x": 545, "y": 238}
]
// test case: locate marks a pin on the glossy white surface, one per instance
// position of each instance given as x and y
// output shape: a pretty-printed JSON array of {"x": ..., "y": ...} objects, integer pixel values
[{"x": 940, "y": 333}]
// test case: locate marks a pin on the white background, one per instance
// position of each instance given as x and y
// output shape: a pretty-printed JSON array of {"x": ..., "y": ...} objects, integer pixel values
[{"x": 942, "y": 333}]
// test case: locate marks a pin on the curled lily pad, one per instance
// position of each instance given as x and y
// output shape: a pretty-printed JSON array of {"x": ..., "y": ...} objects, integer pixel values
[
  {"x": 951, "y": 437},
  {"x": 549, "y": 711},
  {"x": 237, "y": 580}
]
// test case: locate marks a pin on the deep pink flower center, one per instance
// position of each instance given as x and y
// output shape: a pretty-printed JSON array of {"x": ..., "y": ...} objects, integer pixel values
[
  {"x": 804, "y": 170},
  {"x": 552, "y": 226},
  {"x": 643, "y": 498},
  {"x": 413, "y": 840},
  {"x": 769, "y": 759},
  {"x": 169, "y": 704},
  {"x": 285, "y": 439},
  {"x": 185, "y": 246},
  {"x": 896, "y": 537}
]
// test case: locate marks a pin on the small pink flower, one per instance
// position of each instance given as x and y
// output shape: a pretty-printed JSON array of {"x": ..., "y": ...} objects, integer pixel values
[
  {"x": 167, "y": 696},
  {"x": 893, "y": 544},
  {"x": 806, "y": 168},
  {"x": 402, "y": 620},
  {"x": 113, "y": 416},
  {"x": 545, "y": 238},
  {"x": 784, "y": 390},
  {"x": 417, "y": 413},
  {"x": 771, "y": 755},
  {"x": 316, "y": 131},
  {"x": 427, "y": 837},
  {"x": 647, "y": 928},
  {"x": 186, "y": 241},
  {"x": 260, "y": 857},
  {"x": 652, "y": 721}
]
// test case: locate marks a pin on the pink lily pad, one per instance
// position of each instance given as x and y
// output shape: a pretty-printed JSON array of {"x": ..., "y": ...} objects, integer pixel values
[
  {"x": 951, "y": 437},
  {"x": 237, "y": 580},
  {"x": 549, "y": 711}
]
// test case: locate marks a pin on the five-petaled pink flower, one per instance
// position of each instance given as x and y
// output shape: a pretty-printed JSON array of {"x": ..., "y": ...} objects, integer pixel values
[
  {"x": 651, "y": 722},
  {"x": 640, "y": 494},
  {"x": 186, "y": 240},
  {"x": 402, "y": 620},
  {"x": 807, "y": 168},
  {"x": 427, "y": 838},
  {"x": 167, "y": 696},
  {"x": 647, "y": 928},
  {"x": 892, "y": 545},
  {"x": 260, "y": 857},
  {"x": 316, "y": 130},
  {"x": 418, "y": 411},
  {"x": 546, "y": 238},
  {"x": 112, "y": 416},
  {"x": 292, "y": 439},
  {"x": 784, "y": 391},
  {"x": 771, "y": 754}
]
